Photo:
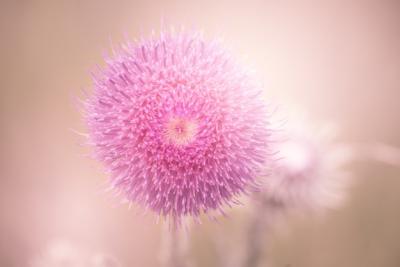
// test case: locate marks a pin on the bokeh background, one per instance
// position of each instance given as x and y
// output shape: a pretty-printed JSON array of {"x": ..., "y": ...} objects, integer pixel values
[{"x": 337, "y": 60}]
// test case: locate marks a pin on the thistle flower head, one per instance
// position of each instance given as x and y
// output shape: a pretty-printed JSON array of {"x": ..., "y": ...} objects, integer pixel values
[
  {"x": 309, "y": 172},
  {"x": 178, "y": 124}
]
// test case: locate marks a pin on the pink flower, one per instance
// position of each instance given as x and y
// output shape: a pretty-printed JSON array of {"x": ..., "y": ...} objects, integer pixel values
[
  {"x": 180, "y": 126},
  {"x": 309, "y": 172}
]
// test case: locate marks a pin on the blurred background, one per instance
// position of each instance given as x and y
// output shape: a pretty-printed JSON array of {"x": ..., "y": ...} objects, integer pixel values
[{"x": 337, "y": 60}]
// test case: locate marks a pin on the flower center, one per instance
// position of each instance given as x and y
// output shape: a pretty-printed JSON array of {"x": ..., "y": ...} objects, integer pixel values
[{"x": 180, "y": 131}]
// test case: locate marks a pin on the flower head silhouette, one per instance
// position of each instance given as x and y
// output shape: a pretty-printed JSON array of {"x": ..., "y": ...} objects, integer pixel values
[
  {"x": 309, "y": 172},
  {"x": 179, "y": 125}
]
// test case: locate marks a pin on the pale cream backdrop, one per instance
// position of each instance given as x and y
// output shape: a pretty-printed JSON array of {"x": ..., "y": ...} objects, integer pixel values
[{"x": 338, "y": 60}]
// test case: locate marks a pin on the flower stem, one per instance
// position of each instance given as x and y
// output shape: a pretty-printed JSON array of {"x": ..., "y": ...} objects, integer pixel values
[
  {"x": 260, "y": 224},
  {"x": 174, "y": 248}
]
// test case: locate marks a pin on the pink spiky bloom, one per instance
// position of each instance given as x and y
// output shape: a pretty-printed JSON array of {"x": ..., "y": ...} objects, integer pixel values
[
  {"x": 178, "y": 124},
  {"x": 309, "y": 171}
]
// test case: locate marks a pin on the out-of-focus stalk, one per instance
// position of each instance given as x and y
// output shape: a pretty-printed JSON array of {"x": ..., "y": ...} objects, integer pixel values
[
  {"x": 382, "y": 152},
  {"x": 260, "y": 224},
  {"x": 175, "y": 247}
]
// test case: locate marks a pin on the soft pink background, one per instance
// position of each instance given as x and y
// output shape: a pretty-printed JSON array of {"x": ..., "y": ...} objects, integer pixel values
[{"x": 339, "y": 60}]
